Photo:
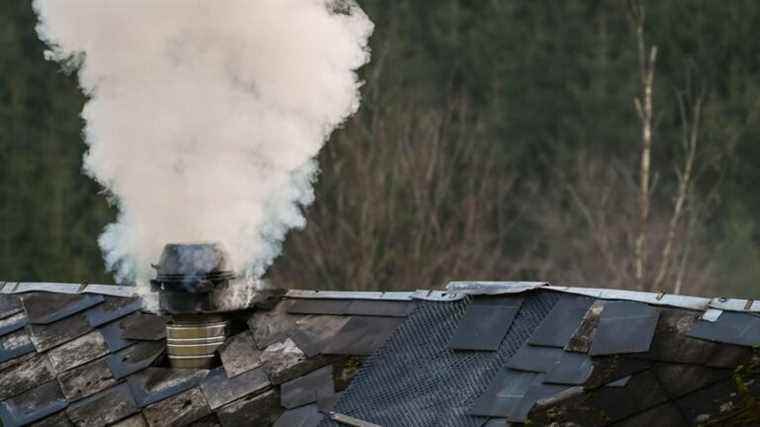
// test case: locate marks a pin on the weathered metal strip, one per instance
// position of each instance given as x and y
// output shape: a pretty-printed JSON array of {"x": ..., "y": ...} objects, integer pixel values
[
  {"x": 422, "y": 294},
  {"x": 68, "y": 288},
  {"x": 493, "y": 288}
]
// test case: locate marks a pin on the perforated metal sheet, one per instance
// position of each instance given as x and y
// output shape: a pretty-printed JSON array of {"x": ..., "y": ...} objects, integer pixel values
[{"x": 415, "y": 380}]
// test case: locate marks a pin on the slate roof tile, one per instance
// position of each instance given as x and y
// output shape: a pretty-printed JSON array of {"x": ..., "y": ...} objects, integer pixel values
[
  {"x": 12, "y": 323},
  {"x": 86, "y": 380},
  {"x": 260, "y": 410},
  {"x": 111, "y": 309},
  {"x": 220, "y": 390},
  {"x": 25, "y": 376},
  {"x": 32, "y": 405},
  {"x": 134, "y": 358},
  {"x": 13, "y": 345},
  {"x": 104, "y": 407},
  {"x": 78, "y": 352},
  {"x": 179, "y": 410},
  {"x": 730, "y": 328},
  {"x": 485, "y": 324},
  {"x": 9, "y": 305},
  {"x": 239, "y": 354},
  {"x": 309, "y": 388},
  {"x": 154, "y": 384},
  {"x": 45, "y": 307},
  {"x": 143, "y": 326},
  {"x": 361, "y": 335},
  {"x": 47, "y": 336},
  {"x": 624, "y": 327}
]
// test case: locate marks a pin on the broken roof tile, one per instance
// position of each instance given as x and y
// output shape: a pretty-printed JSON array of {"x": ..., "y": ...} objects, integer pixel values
[
  {"x": 12, "y": 323},
  {"x": 362, "y": 335},
  {"x": 731, "y": 328},
  {"x": 9, "y": 305},
  {"x": 570, "y": 369},
  {"x": 313, "y": 333},
  {"x": 308, "y": 388},
  {"x": 239, "y": 354},
  {"x": 178, "y": 410},
  {"x": 32, "y": 405},
  {"x": 271, "y": 326},
  {"x": 153, "y": 384},
  {"x": 349, "y": 307},
  {"x": 104, "y": 407},
  {"x": 86, "y": 380},
  {"x": 51, "y": 335},
  {"x": 305, "y": 416},
  {"x": 143, "y": 326},
  {"x": 111, "y": 309},
  {"x": 78, "y": 352},
  {"x": 535, "y": 359},
  {"x": 13, "y": 345},
  {"x": 624, "y": 327},
  {"x": 44, "y": 307},
  {"x": 560, "y": 324},
  {"x": 25, "y": 376},
  {"x": 255, "y": 411},
  {"x": 284, "y": 361},
  {"x": 580, "y": 341},
  {"x": 134, "y": 358},
  {"x": 220, "y": 390}
]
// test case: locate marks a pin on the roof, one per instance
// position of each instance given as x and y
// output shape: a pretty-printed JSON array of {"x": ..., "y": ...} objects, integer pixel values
[{"x": 476, "y": 354}]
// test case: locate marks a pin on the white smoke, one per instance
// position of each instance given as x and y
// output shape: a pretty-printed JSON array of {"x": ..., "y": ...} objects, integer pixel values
[{"x": 205, "y": 116}]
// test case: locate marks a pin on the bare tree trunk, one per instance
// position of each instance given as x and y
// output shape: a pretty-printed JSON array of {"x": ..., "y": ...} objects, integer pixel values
[
  {"x": 643, "y": 105},
  {"x": 691, "y": 138}
]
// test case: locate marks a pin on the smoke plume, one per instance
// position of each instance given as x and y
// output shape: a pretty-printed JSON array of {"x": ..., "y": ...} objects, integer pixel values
[{"x": 204, "y": 117}]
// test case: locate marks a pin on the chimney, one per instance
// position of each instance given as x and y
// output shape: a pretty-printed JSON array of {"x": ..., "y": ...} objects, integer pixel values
[{"x": 191, "y": 280}]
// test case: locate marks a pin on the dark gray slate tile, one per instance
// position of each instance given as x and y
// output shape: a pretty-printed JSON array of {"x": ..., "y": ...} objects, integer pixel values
[
  {"x": 239, "y": 354},
  {"x": 351, "y": 307},
  {"x": 538, "y": 391},
  {"x": 284, "y": 361},
  {"x": 483, "y": 327},
  {"x": 679, "y": 379},
  {"x": 260, "y": 410},
  {"x": 220, "y": 390},
  {"x": 571, "y": 369},
  {"x": 15, "y": 361},
  {"x": 327, "y": 404},
  {"x": 179, "y": 410},
  {"x": 103, "y": 408},
  {"x": 731, "y": 328},
  {"x": 671, "y": 343},
  {"x": 14, "y": 345},
  {"x": 9, "y": 305},
  {"x": 560, "y": 324},
  {"x": 134, "y": 358},
  {"x": 111, "y": 309},
  {"x": 272, "y": 326},
  {"x": 580, "y": 341},
  {"x": 86, "y": 380},
  {"x": 362, "y": 335},
  {"x": 44, "y": 308},
  {"x": 210, "y": 420},
  {"x": 624, "y": 327},
  {"x": 535, "y": 359},
  {"x": 485, "y": 323},
  {"x": 663, "y": 415},
  {"x": 59, "y": 419},
  {"x": 114, "y": 336},
  {"x": 143, "y": 326},
  {"x": 136, "y": 420},
  {"x": 611, "y": 368},
  {"x": 48, "y": 336},
  {"x": 313, "y": 333},
  {"x": 78, "y": 352},
  {"x": 32, "y": 405},
  {"x": 305, "y": 416},
  {"x": 153, "y": 384},
  {"x": 503, "y": 396},
  {"x": 25, "y": 376},
  {"x": 12, "y": 323},
  {"x": 718, "y": 403},
  {"x": 308, "y": 388}
]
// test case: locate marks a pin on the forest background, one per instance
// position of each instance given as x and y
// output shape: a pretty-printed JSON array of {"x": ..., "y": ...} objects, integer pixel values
[{"x": 497, "y": 140}]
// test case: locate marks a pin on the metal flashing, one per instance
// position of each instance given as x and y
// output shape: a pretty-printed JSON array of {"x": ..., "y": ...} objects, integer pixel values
[
  {"x": 421, "y": 294},
  {"x": 625, "y": 327},
  {"x": 493, "y": 288}
]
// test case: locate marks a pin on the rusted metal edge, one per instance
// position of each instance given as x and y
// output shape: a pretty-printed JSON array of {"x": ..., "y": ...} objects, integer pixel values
[{"x": 68, "y": 288}]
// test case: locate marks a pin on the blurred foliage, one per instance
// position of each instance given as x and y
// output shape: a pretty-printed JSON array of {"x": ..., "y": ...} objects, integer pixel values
[{"x": 533, "y": 83}]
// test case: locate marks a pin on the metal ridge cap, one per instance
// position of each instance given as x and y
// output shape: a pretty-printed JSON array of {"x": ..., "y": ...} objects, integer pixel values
[
  {"x": 68, "y": 288},
  {"x": 422, "y": 294},
  {"x": 493, "y": 288}
]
